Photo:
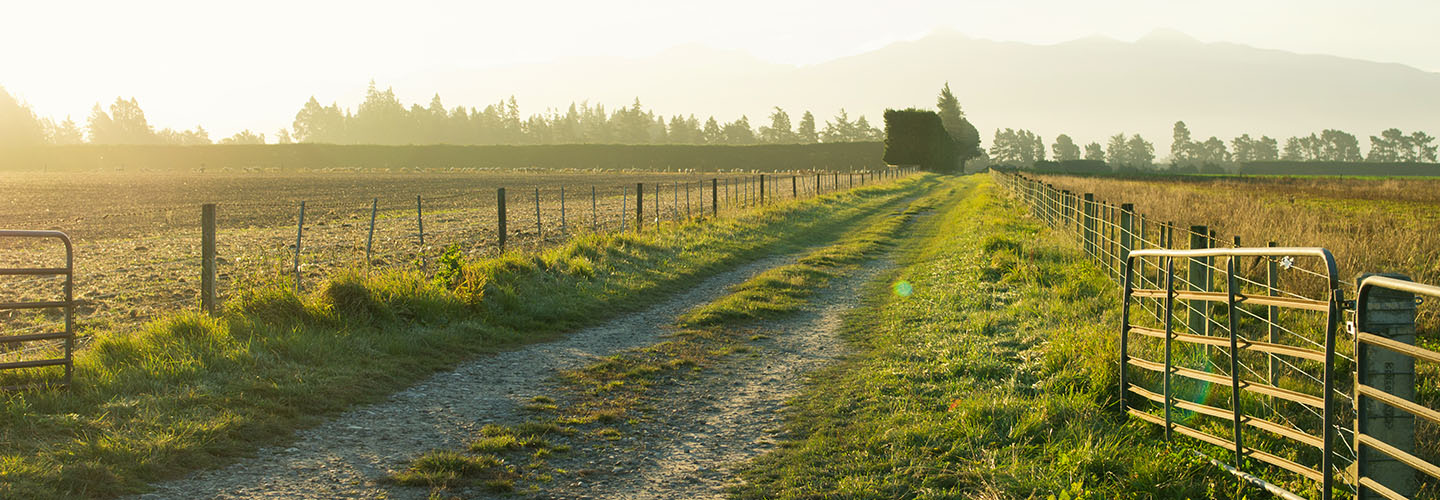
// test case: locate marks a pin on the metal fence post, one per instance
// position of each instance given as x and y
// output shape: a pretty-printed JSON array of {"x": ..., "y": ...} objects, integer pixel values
[
  {"x": 539, "y": 235},
  {"x": 563, "y": 227},
  {"x": 207, "y": 258},
  {"x": 370, "y": 236},
  {"x": 420, "y": 225},
  {"x": 594, "y": 212},
  {"x": 1199, "y": 277},
  {"x": 299, "y": 233},
  {"x": 1390, "y": 314}
]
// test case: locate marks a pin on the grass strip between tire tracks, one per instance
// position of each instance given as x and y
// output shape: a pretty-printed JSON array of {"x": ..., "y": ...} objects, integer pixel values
[{"x": 610, "y": 394}]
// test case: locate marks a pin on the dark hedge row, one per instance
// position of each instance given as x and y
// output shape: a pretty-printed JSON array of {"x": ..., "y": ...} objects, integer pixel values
[
  {"x": 1340, "y": 168},
  {"x": 768, "y": 157}
]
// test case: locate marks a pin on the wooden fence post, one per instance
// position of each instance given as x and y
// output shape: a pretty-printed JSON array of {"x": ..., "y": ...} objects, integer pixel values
[
  {"x": 715, "y": 196},
  {"x": 639, "y": 206},
  {"x": 563, "y": 228},
  {"x": 594, "y": 212},
  {"x": 762, "y": 190},
  {"x": 1199, "y": 278},
  {"x": 1088, "y": 223},
  {"x": 1389, "y": 314},
  {"x": 500, "y": 231},
  {"x": 539, "y": 234},
  {"x": 207, "y": 258},
  {"x": 794, "y": 188},
  {"x": 1127, "y": 231}
]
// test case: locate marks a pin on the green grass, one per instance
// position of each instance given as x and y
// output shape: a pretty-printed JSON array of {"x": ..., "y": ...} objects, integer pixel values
[
  {"x": 985, "y": 369},
  {"x": 191, "y": 391}
]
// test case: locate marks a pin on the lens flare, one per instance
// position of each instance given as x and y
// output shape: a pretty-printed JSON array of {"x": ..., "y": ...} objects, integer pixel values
[{"x": 903, "y": 288}]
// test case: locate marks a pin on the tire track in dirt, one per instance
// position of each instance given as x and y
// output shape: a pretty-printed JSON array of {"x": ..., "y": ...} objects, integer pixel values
[
  {"x": 345, "y": 456},
  {"x": 702, "y": 427}
]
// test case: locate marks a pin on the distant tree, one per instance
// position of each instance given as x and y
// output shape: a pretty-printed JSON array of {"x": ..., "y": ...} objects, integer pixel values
[
  {"x": 1389, "y": 147},
  {"x": 865, "y": 132},
  {"x": 1265, "y": 149},
  {"x": 1336, "y": 145},
  {"x": 18, "y": 124},
  {"x": 779, "y": 131},
  {"x": 806, "y": 133},
  {"x": 1294, "y": 150},
  {"x": 196, "y": 137},
  {"x": 1424, "y": 146},
  {"x": 712, "y": 133},
  {"x": 282, "y": 136},
  {"x": 1094, "y": 152},
  {"x": 1243, "y": 148},
  {"x": 738, "y": 132},
  {"x": 66, "y": 132},
  {"x": 1065, "y": 149},
  {"x": 1117, "y": 152},
  {"x": 319, "y": 124},
  {"x": 840, "y": 129},
  {"x": 1181, "y": 147},
  {"x": 244, "y": 137},
  {"x": 1211, "y": 152},
  {"x": 965, "y": 135},
  {"x": 1141, "y": 154}
]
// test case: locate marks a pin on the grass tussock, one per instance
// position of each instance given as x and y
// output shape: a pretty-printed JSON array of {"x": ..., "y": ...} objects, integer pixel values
[
  {"x": 191, "y": 391},
  {"x": 992, "y": 377}
]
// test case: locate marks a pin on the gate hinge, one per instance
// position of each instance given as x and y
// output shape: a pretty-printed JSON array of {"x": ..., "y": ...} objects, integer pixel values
[{"x": 1347, "y": 304}]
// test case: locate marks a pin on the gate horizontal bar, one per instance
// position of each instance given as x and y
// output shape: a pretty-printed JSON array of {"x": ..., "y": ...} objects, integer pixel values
[
  {"x": 1249, "y": 345},
  {"x": 1398, "y": 402},
  {"x": 8, "y": 339},
  {"x": 1398, "y": 454},
  {"x": 1400, "y": 347},
  {"x": 37, "y": 363},
  {"x": 1228, "y": 415},
  {"x": 1259, "y": 300}
]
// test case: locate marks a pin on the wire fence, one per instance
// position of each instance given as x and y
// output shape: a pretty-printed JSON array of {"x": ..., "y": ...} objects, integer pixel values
[
  {"x": 1242, "y": 347},
  {"x": 123, "y": 282}
]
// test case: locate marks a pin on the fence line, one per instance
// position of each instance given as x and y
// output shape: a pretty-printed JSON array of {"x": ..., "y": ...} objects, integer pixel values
[
  {"x": 215, "y": 256},
  {"x": 1298, "y": 396}
]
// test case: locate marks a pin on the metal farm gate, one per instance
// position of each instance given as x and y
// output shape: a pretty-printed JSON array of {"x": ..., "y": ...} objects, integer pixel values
[{"x": 53, "y": 346}]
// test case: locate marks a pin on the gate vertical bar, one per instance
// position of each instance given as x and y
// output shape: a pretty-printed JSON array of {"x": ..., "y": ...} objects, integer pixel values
[
  {"x": 1234, "y": 362},
  {"x": 1169, "y": 335}
]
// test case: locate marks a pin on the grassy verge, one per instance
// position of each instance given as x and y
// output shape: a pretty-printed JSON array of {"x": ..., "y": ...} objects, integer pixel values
[
  {"x": 608, "y": 395},
  {"x": 985, "y": 370},
  {"x": 192, "y": 391}
]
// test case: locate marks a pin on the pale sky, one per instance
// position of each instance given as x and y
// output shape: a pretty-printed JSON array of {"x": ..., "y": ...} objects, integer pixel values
[{"x": 195, "y": 62}]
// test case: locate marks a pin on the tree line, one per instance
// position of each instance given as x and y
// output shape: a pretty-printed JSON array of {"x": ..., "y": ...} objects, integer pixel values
[
  {"x": 1023, "y": 147},
  {"x": 382, "y": 119}
]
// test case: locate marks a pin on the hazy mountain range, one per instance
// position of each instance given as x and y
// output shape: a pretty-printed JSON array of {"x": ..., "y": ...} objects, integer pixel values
[{"x": 1089, "y": 88}]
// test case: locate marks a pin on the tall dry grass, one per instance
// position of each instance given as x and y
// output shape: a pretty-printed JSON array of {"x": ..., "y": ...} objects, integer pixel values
[{"x": 1370, "y": 225}]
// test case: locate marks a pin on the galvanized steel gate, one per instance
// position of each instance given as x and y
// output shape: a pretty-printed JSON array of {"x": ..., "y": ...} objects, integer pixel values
[
  {"x": 1291, "y": 392},
  {"x": 43, "y": 343}
]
